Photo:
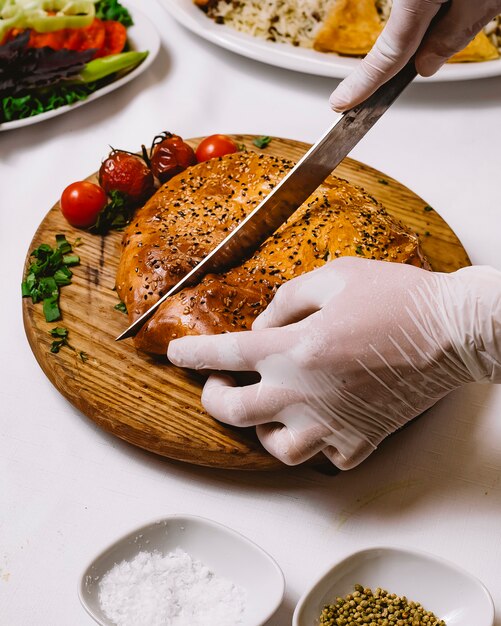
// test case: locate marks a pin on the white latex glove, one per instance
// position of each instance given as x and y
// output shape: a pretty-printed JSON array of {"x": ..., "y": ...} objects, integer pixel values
[
  {"x": 404, "y": 35},
  {"x": 349, "y": 353}
]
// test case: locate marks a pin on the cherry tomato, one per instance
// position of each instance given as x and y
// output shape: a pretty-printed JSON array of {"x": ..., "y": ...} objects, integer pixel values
[
  {"x": 127, "y": 173},
  {"x": 82, "y": 202},
  {"x": 170, "y": 156},
  {"x": 215, "y": 146}
]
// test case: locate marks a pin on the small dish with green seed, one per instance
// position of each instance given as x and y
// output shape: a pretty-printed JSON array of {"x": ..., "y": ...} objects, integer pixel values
[{"x": 394, "y": 586}]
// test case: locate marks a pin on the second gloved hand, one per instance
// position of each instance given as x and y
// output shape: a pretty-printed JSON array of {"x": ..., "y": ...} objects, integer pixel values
[
  {"x": 349, "y": 353},
  {"x": 404, "y": 36}
]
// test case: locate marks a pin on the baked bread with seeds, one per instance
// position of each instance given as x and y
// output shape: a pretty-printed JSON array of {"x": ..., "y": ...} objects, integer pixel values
[{"x": 195, "y": 210}]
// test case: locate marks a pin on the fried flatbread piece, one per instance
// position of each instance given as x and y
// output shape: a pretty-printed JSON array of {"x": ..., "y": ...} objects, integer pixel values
[
  {"x": 480, "y": 48},
  {"x": 351, "y": 28}
]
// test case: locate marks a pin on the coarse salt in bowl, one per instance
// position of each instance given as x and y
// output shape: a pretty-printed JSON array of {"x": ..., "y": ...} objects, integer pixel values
[
  {"x": 441, "y": 587},
  {"x": 234, "y": 567}
]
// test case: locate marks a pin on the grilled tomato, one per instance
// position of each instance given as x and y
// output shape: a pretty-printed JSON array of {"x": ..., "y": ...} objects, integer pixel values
[
  {"x": 170, "y": 155},
  {"x": 127, "y": 173}
]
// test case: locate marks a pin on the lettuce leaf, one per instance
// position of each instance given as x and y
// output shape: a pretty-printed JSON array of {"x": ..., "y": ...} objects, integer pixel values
[
  {"x": 24, "y": 69},
  {"x": 18, "y": 108},
  {"x": 113, "y": 10}
]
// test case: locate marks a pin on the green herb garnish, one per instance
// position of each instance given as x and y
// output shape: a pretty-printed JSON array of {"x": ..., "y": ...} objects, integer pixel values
[
  {"x": 261, "y": 142},
  {"x": 113, "y": 10},
  {"x": 383, "y": 181},
  {"x": 359, "y": 250},
  {"x": 121, "y": 307},
  {"x": 427, "y": 208},
  {"x": 47, "y": 274},
  {"x": 61, "y": 339},
  {"x": 115, "y": 215},
  {"x": 60, "y": 335},
  {"x": 20, "y": 107}
]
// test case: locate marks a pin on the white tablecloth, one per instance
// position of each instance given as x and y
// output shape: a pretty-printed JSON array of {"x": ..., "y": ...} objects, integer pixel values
[{"x": 67, "y": 488}]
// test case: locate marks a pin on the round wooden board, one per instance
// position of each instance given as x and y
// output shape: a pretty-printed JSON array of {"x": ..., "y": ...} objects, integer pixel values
[{"x": 153, "y": 404}]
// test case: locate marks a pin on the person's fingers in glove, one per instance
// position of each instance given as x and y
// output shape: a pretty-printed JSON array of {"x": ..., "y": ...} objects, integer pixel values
[
  {"x": 237, "y": 352},
  {"x": 297, "y": 436},
  {"x": 361, "y": 348},
  {"x": 408, "y": 22},
  {"x": 453, "y": 32},
  {"x": 293, "y": 436},
  {"x": 408, "y": 32},
  {"x": 297, "y": 299},
  {"x": 249, "y": 405},
  {"x": 293, "y": 445}
]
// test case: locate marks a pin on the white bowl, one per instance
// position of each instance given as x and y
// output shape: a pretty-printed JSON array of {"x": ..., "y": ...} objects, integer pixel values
[
  {"x": 450, "y": 592},
  {"x": 227, "y": 553}
]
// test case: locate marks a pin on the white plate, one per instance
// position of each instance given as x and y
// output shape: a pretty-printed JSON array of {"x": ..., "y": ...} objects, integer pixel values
[
  {"x": 300, "y": 59},
  {"x": 450, "y": 592},
  {"x": 225, "y": 552},
  {"x": 142, "y": 35}
]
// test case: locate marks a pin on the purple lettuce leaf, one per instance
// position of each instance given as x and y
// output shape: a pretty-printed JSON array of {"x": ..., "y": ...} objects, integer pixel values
[{"x": 24, "y": 69}]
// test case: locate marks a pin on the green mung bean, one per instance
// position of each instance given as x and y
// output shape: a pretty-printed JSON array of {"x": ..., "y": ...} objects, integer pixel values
[{"x": 376, "y": 608}]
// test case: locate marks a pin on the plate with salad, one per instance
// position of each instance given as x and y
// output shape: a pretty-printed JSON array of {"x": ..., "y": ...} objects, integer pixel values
[{"x": 56, "y": 55}]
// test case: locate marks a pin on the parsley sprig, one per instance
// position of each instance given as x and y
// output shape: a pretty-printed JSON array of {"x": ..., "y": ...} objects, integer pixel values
[
  {"x": 47, "y": 274},
  {"x": 42, "y": 100},
  {"x": 113, "y": 10},
  {"x": 261, "y": 142},
  {"x": 117, "y": 213}
]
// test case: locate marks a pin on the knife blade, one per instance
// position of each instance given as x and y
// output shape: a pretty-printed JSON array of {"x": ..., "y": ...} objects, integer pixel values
[{"x": 300, "y": 182}]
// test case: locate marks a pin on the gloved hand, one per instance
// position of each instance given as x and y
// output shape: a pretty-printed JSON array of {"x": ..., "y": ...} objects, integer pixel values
[
  {"x": 404, "y": 35},
  {"x": 349, "y": 353}
]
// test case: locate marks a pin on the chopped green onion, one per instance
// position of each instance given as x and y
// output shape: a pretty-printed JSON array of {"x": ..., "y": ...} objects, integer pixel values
[
  {"x": 61, "y": 339},
  {"x": 62, "y": 244},
  {"x": 60, "y": 335},
  {"x": 71, "y": 259},
  {"x": 51, "y": 309},
  {"x": 59, "y": 331},
  {"x": 47, "y": 273}
]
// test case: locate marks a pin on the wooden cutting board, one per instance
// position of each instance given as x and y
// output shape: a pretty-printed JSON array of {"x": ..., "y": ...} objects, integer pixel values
[{"x": 153, "y": 404}]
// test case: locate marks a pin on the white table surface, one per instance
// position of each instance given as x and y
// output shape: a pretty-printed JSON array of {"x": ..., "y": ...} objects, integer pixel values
[{"x": 67, "y": 489}]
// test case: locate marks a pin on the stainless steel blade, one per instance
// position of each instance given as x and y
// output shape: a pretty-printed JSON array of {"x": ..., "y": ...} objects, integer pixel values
[{"x": 293, "y": 189}]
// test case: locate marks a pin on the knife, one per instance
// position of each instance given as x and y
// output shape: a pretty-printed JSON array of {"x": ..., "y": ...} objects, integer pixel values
[{"x": 301, "y": 181}]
